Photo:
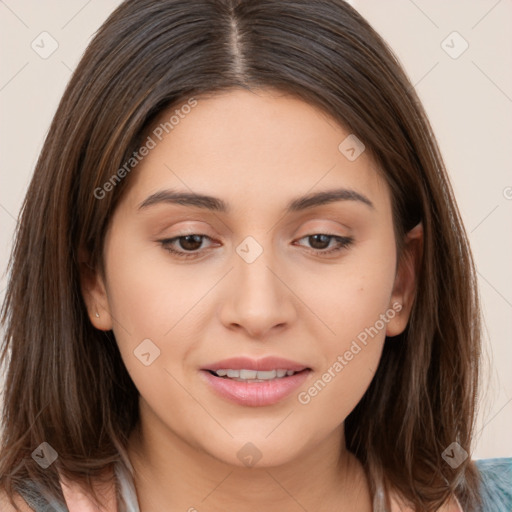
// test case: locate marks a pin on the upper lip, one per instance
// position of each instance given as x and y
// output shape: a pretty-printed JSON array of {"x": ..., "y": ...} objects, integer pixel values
[{"x": 264, "y": 364}]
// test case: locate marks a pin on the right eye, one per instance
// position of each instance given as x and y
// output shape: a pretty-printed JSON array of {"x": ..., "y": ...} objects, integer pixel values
[
  {"x": 190, "y": 244},
  {"x": 343, "y": 242}
]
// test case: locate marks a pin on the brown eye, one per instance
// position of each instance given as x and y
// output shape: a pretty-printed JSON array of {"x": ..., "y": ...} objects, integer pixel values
[
  {"x": 190, "y": 242},
  {"x": 184, "y": 246},
  {"x": 319, "y": 242}
]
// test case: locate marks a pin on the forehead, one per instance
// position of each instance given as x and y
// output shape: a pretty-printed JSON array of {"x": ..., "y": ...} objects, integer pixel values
[{"x": 255, "y": 147}]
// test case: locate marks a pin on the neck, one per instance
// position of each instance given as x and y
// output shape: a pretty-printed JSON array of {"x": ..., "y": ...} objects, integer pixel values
[{"x": 170, "y": 474}]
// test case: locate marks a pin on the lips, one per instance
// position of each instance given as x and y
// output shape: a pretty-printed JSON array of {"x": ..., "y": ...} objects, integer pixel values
[
  {"x": 250, "y": 391},
  {"x": 266, "y": 364}
]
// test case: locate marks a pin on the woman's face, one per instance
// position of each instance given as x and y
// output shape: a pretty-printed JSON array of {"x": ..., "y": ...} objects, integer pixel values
[{"x": 275, "y": 270}]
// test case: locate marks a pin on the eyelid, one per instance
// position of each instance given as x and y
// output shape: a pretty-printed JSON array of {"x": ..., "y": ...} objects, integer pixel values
[{"x": 325, "y": 226}]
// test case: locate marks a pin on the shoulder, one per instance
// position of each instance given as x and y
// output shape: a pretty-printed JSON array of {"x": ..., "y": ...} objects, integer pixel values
[
  {"x": 6, "y": 505},
  {"x": 452, "y": 506},
  {"x": 498, "y": 467},
  {"x": 398, "y": 506},
  {"x": 495, "y": 488},
  {"x": 29, "y": 497},
  {"x": 496, "y": 483}
]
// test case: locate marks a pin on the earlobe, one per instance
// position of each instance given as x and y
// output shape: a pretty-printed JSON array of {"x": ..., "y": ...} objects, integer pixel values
[
  {"x": 404, "y": 289},
  {"x": 95, "y": 296}
]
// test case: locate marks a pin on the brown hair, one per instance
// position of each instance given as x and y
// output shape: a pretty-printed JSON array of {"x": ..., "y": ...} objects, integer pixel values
[{"x": 65, "y": 381}]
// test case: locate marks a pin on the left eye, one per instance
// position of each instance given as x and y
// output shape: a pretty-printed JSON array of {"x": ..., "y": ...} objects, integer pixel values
[
  {"x": 187, "y": 242},
  {"x": 190, "y": 244},
  {"x": 321, "y": 239}
]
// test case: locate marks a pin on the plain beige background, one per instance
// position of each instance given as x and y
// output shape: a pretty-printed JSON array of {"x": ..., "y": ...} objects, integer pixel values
[{"x": 464, "y": 80}]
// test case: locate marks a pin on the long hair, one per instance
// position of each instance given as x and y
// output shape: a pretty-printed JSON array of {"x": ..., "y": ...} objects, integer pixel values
[{"x": 65, "y": 381}]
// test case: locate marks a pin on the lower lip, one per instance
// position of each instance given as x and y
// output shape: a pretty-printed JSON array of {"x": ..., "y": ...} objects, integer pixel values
[{"x": 255, "y": 394}]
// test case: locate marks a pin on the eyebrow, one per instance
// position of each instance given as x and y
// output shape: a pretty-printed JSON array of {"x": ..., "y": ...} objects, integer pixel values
[{"x": 218, "y": 205}]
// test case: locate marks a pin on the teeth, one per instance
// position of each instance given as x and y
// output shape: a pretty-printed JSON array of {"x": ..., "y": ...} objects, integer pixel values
[
  {"x": 253, "y": 374},
  {"x": 248, "y": 374}
]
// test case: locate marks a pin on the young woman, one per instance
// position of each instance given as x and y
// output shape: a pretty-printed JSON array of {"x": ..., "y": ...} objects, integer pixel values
[{"x": 240, "y": 279}]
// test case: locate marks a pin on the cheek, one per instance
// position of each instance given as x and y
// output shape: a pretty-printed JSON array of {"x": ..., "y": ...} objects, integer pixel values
[
  {"x": 147, "y": 294},
  {"x": 145, "y": 303},
  {"x": 349, "y": 297},
  {"x": 157, "y": 307}
]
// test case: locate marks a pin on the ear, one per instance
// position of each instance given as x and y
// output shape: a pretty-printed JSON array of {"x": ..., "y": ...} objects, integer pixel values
[
  {"x": 404, "y": 288},
  {"x": 94, "y": 294}
]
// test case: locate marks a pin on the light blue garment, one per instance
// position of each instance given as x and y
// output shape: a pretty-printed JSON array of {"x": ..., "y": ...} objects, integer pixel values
[
  {"x": 496, "y": 489},
  {"x": 496, "y": 486}
]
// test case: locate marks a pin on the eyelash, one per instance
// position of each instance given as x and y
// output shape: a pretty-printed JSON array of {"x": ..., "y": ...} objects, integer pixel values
[{"x": 344, "y": 243}]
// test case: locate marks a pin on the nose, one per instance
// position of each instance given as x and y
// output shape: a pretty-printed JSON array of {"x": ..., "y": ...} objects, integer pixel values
[{"x": 258, "y": 298}]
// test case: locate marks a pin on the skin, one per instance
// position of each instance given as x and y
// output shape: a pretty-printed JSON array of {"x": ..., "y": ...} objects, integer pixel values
[{"x": 256, "y": 151}]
